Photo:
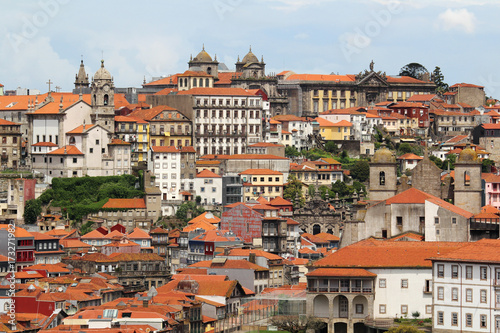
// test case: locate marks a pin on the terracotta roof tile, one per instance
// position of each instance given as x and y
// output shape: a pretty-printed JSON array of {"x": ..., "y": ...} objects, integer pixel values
[
  {"x": 139, "y": 234},
  {"x": 135, "y": 203},
  {"x": 66, "y": 150},
  {"x": 260, "y": 172},
  {"x": 205, "y": 173},
  {"x": 342, "y": 272},
  {"x": 165, "y": 149},
  {"x": 81, "y": 129},
  {"x": 217, "y": 92},
  {"x": 372, "y": 253}
]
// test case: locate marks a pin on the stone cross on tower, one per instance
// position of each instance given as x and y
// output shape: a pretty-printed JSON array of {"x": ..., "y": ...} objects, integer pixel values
[{"x": 49, "y": 83}]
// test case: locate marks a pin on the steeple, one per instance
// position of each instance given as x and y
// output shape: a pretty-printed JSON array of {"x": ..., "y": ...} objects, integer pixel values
[
  {"x": 102, "y": 94},
  {"x": 81, "y": 79}
]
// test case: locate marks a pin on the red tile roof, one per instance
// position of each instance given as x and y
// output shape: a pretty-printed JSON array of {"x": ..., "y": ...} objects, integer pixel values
[
  {"x": 44, "y": 144},
  {"x": 421, "y": 98},
  {"x": 244, "y": 157},
  {"x": 119, "y": 142},
  {"x": 465, "y": 85},
  {"x": 265, "y": 144},
  {"x": 81, "y": 129},
  {"x": 206, "y": 217},
  {"x": 139, "y": 234},
  {"x": 165, "y": 149},
  {"x": 352, "y": 111},
  {"x": 66, "y": 150},
  {"x": 279, "y": 201},
  {"x": 260, "y": 172},
  {"x": 321, "y": 77},
  {"x": 217, "y": 92},
  {"x": 484, "y": 250},
  {"x": 205, "y": 173},
  {"x": 4, "y": 122},
  {"x": 135, "y": 203},
  {"x": 342, "y": 272},
  {"x": 410, "y": 156},
  {"x": 199, "y": 225},
  {"x": 19, "y": 232},
  {"x": 372, "y": 253},
  {"x": 246, "y": 253}
]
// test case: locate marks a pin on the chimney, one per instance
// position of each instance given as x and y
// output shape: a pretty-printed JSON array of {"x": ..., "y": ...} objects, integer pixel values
[
  {"x": 226, "y": 251},
  {"x": 251, "y": 257}
]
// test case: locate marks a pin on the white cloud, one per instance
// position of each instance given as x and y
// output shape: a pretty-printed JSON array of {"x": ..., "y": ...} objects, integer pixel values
[{"x": 459, "y": 19}]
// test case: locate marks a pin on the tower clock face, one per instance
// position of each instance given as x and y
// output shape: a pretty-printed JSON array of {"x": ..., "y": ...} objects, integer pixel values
[{"x": 106, "y": 88}]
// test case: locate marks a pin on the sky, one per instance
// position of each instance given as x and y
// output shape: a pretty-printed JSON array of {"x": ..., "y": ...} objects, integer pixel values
[{"x": 46, "y": 39}]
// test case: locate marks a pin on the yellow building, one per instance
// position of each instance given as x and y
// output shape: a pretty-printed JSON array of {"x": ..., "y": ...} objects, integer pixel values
[
  {"x": 261, "y": 182},
  {"x": 135, "y": 131},
  {"x": 167, "y": 126},
  {"x": 334, "y": 131}
]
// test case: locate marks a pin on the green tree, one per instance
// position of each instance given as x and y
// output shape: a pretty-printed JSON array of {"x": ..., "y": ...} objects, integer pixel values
[
  {"x": 32, "y": 209},
  {"x": 450, "y": 161},
  {"x": 438, "y": 79},
  {"x": 312, "y": 190},
  {"x": 487, "y": 164},
  {"x": 361, "y": 170},
  {"x": 189, "y": 210},
  {"x": 294, "y": 324},
  {"x": 331, "y": 147},
  {"x": 405, "y": 148},
  {"x": 291, "y": 151},
  {"x": 404, "y": 329},
  {"x": 436, "y": 161},
  {"x": 293, "y": 189},
  {"x": 414, "y": 70},
  {"x": 341, "y": 188},
  {"x": 86, "y": 228}
]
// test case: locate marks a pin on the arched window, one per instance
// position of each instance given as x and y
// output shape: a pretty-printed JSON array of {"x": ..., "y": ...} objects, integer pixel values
[
  {"x": 209, "y": 70},
  {"x": 207, "y": 82},
  {"x": 95, "y": 99},
  {"x": 180, "y": 82},
  {"x": 201, "y": 82},
  {"x": 185, "y": 82},
  {"x": 72, "y": 140},
  {"x": 106, "y": 99},
  {"x": 382, "y": 178},
  {"x": 194, "y": 82},
  {"x": 467, "y": 178}
]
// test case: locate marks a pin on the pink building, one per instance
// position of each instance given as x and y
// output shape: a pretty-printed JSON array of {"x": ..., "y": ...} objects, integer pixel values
[{"x": 492, "y": 190}]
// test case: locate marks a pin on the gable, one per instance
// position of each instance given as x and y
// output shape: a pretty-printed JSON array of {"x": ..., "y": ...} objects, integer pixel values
[
  {"x": 170, "y": 115},
  {"x": 372, "y": 79}
]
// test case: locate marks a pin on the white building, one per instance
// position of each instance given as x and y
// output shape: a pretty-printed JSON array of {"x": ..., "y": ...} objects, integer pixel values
[
  {"x": 165, "y": 163},
  {"x": 208, "y": 185},
  {"x": 466, "y": 293},
  {"x": 376, "y": 279},
  {"x": 225, "y": 120}
]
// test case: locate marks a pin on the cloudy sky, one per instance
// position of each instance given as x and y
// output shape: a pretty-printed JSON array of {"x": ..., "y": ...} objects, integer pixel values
[{"x": 45, "y": 39}]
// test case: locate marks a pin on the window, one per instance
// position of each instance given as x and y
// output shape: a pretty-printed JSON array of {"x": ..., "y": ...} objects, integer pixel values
[
  {"x": 440, "y": 318},
  {"x": 381, "y": 308},
  {"x": 382, "y": 283},
  {"x": 483, "y": 319},
  {"x": 202, "y": 189},
  {"x": 404, "y": 309},
  {"x": 359, "y": 308},
  {"x": 468, "y": 295},
  {"x": 74, "y": 159},
  {"x": 484, "y": 273},
  {"x": 454, "y": 271},
  {"x": 440, "y": 293},
  {"x": 468, "y": 319},
  {"x": 399, "y": 221},
  {"x": 382, "y": 178},
  {"x": 436, "y": 220},
  {"x": 484, "y": 297},
  {"x": 468, "y": 272},
  {"x": 454, "y": 294},
  {"x": 404, "y": 283},
  {"x": 428, "y": 309},
  {"x": 91, "y": 150},
  {"x": 453, "y": 220},
  {"x": 454, "y": 318}
]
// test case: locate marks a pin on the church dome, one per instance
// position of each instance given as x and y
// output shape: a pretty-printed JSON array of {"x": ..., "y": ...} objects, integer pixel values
[
  {"x": 203, "y": 56},
  {"x": 102, "y": 73},
  {"x": 250, "y": 57},
  {"x": 467, "y": 155},
  {"x": 383, "y": 155}
]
